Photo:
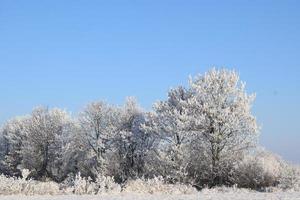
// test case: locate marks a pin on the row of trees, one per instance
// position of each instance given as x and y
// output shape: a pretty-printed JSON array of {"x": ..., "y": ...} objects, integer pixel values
[{"x": 198, "y": 135}]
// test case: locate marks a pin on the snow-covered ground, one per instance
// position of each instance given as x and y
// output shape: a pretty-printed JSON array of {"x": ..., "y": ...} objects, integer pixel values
[{"x": 199, "y": 196}]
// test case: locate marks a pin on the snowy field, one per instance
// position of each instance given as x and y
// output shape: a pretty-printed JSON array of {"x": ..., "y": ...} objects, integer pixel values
[{"x": 200, "y": 196}]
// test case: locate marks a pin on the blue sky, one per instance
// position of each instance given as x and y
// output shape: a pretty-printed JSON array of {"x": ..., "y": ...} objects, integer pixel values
[{"x": 68, "y": 53}]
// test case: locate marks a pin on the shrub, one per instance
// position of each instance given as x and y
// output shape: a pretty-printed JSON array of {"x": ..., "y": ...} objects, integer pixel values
[
  {"x": 290, "y": 178},
  {"x": 101, "y": 185},
  {"x": 259, "y": 170},
  {"x": 12, "y": 185},
  {"x": 157, "y": 185}
]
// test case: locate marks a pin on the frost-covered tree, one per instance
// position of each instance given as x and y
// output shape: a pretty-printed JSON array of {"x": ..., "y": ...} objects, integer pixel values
[
  {"x": 131, "y": 143},
  {"x": 76, "y": 154},
  {"x": 47, "y": 135},
  {"x": 220, "y": 119},
  {"x": 13, "y": 137},
  {"x": 3, "y": 153},
  {"x": 99, "y": 122},
  {"x": 168, "y": 125},
  {"x": 210, "y": 122}
]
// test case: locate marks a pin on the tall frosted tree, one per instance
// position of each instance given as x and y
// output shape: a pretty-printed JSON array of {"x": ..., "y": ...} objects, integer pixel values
[
  {"x": 220, "y": 117},
  {"x": 212, "y": 119}
]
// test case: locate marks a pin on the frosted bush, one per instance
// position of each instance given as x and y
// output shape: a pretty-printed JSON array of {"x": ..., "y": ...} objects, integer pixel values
[
  {"x": 266, "y": 171},
  {"x": 42, "y": 188},
  {"x": 290, "y": 178},
  {"x": 106, "y": 184},
  {"x": 157, "y": 185},
  {"x": 100, "y": 186},
  {"x": 80, "y": 185},
  {"x": 11, "y": 185},
  {"x": 259, "y": 171}
]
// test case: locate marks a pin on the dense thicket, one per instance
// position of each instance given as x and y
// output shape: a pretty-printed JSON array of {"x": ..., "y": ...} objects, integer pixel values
[{"x": 204, "y": 135}]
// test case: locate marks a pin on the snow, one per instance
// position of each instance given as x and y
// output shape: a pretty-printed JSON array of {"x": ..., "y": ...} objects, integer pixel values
[{"x": 202, "y": 195}]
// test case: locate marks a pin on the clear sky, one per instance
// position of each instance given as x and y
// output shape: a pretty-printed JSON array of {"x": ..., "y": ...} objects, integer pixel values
[{"x": 68, "y": 53}]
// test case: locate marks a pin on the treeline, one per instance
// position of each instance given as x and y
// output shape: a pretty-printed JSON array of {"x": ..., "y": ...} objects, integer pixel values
[{"x": 203, "y": 135}]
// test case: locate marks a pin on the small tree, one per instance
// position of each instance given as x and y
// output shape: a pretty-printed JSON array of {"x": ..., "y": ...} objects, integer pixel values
[
  {"x": 131, "y": 143},
  {"x": 13, "y": 137},
  {"x": 3, "y": 152},
  {"x": 168, "y": 126},
  {"x": 99, "y": 122},
  {"x": 47, "y": 133}
]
